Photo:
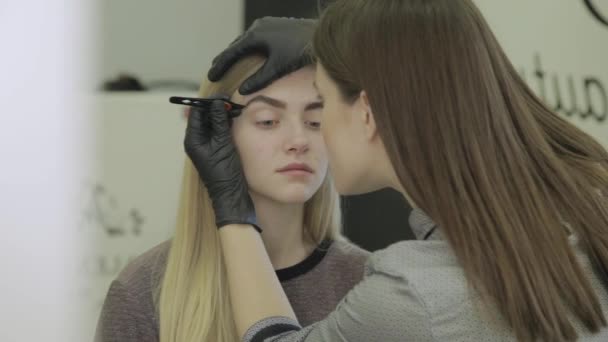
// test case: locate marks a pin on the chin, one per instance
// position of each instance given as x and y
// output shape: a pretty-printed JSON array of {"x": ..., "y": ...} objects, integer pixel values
[
  {"x": 286, "y": 193},
  {"x": 293, "y": 193},
  {"x": 293, "y": 197}
]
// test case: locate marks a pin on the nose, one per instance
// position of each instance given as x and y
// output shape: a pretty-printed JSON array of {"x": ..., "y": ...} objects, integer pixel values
[{"x": 298, "y": 141}]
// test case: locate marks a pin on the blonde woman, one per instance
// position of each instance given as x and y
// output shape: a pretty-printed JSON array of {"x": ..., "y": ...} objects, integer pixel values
[{"x": 178, "y": 291}]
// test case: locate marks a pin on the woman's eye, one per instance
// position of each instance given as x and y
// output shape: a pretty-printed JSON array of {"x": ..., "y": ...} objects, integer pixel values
[
  {"x": 314, "y": 124},
  {"x": 267, "y": 123}
]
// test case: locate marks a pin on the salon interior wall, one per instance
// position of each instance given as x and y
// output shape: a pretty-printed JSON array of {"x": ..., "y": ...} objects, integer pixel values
[
  {"x": 160, "y": 40},
  {"x": 130, "y": 203},
  {"x": 561, "y": 49}
]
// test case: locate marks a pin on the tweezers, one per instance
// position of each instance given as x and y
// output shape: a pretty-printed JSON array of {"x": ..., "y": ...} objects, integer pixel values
[{"x": 234, "y": 109}]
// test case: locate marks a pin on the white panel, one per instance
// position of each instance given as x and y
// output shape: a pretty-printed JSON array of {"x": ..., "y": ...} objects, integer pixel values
[
  {"x": 131, "y": 204},
  {"x": 45, "y": 144},
  {"x": 558, "y": 42}
]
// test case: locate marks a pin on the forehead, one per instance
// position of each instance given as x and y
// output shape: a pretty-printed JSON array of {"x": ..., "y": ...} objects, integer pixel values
[{"x": 294, "y": 86}]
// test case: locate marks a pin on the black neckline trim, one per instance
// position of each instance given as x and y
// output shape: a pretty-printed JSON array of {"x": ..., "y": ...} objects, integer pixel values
[
  {"x": 429, "y": 233},
  {"x": 305, "y": 265}
]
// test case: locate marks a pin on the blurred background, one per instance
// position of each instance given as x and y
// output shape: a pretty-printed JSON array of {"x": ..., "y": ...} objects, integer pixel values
[{"x": 92, "y": 150}]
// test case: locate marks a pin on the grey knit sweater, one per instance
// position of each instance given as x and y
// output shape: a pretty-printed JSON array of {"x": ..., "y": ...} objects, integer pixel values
[{"x": 314, "y": 287}]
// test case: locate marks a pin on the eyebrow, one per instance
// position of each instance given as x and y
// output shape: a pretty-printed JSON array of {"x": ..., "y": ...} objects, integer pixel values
[
  {"x": 313, "y": 106},
  {"x": 267, "y": 100},
  {"x": 282, "y": 105}
]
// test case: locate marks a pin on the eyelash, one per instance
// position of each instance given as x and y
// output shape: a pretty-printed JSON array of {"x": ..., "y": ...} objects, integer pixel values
[
  {"x": 263, "y": 124},
  {"x": 317, "y": 123}
]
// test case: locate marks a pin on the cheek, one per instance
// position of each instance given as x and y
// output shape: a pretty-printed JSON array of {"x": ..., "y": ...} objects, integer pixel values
[
  {"x": 254, "y": 151},
  {"x": 327, "y": 124},
  {"x": 331, "y": 128},
  {"x": 255, "y": 157},
  {"x": 339, "y": 141},
  {"x": 327, "y": 145},
  {"x": 319, "y": 151},
  {"x": 256, "y": 165}
]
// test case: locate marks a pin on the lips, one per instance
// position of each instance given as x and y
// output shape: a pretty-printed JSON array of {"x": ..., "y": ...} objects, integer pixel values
[{"x": 296, "y": 167}]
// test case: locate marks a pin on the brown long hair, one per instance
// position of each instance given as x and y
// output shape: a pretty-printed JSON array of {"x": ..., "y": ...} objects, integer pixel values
[{"x": 505, "y": 177}]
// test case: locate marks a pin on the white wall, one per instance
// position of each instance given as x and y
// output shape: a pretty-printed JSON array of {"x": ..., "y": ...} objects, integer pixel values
[
  {"x": 568, "y": 42},
  {"x": 45, "y": 146},
  {"x": 160, "y": 39}
]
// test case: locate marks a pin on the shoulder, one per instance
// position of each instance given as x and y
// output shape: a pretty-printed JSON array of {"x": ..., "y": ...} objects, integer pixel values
[
  {"x": 346, "y": 255},
  {"x": 346, "y": 249},
  {"x": 146, "y": 270},
  {"x": 430, "y": 270},
  {"x": 128, "y": 312},
  {"x": 409, "y": 257},
  {"x": 419, "y": 262},
  {"x": 343, "y": 264}
]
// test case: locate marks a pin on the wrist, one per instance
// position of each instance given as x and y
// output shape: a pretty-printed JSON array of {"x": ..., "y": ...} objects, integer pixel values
[
  {"x": 235, "y": 209},
  {"x": 240, "y": 226}
]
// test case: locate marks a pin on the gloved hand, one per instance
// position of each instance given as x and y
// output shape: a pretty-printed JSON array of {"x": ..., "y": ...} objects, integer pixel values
[
  {"x": 209, "y": 145},
  {"x": 283, "y": 40}
]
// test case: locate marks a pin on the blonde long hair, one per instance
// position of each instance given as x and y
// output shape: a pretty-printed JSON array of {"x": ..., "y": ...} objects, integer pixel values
[{"x": 193, "y": 301}]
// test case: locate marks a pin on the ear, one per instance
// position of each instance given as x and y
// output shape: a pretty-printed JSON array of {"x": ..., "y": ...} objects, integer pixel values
[{"x": 367, "y": 116}]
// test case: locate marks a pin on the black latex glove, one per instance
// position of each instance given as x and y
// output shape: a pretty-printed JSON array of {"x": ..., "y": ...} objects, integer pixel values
[
  {"x": 283, "y": 40},
  {"x": 209, "y": 145}
]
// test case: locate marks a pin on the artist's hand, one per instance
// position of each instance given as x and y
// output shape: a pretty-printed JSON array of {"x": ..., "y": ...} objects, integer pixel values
[
  {"x": 283, "y": 41},
  {"x": 209, "y": 145}
]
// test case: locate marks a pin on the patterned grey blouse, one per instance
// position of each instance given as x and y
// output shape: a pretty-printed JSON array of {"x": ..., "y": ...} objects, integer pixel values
[{"x": 413, "y": 291}]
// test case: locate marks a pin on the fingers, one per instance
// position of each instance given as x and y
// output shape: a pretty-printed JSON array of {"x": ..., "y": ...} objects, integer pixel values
[
  {"x": 198, "y": 129},
  {"x": 271, "y": 71},
  {"x": 205, "y": 125},
  {"x": 204, "y": 122},
  {"x": 236, "y": 51},
  {"x": 219, "y": 118},
  {"x": 195, "y": 119},
  {"x": 222, "y": 63},
  {"x": 267, "y": 74}
]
